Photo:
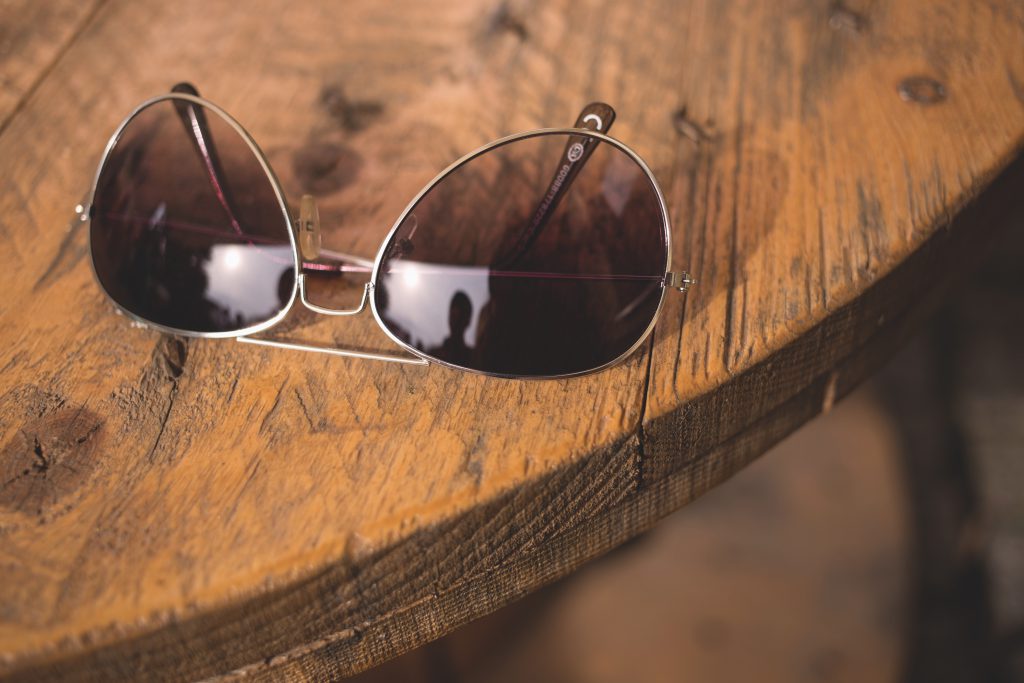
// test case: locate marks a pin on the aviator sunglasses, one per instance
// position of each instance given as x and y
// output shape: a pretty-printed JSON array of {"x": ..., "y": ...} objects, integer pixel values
[{"x": 543, "y": 254}]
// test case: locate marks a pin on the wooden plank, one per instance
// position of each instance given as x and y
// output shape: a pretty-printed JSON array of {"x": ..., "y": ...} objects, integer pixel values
[
  {"x": 33, "y": 35},
  {"x": 816, "y": 530},
  {"x": 185, "y": 508}
]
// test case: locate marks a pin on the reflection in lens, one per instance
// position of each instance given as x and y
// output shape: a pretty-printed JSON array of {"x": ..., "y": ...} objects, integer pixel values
[
  {"x": 428, "y": 298},
  {"x": 187, "y": 231},
  {"x": 518, "y": 263}
]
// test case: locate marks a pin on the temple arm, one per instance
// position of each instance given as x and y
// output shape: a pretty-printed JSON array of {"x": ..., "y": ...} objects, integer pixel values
[
  {"x": 198, "y": 130},
  {"x": 596, "y": 116},
  {"x": 196, "y": 126}
]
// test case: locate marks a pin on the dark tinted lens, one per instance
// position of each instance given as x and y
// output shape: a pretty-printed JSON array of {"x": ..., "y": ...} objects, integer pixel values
[
  {"x": 537, "y": 258},
  {"x": 187, "y": 231}
]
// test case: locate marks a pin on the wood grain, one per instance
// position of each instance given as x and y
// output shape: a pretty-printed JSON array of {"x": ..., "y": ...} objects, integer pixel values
[
  {"x": 179, "y": 508},
  {"x": 33, "y": 36}
]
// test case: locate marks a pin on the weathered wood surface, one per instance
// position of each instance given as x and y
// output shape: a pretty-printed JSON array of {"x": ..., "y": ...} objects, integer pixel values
[
  {"x": 189, "y": 508},
  {"x": 816, "y": 530},
  {"x": 33, "y": 36}
]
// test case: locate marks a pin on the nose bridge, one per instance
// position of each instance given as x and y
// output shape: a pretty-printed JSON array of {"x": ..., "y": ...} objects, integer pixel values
[
  {"x": 310, "y": 242},
  {"x": 333, "y": 311}
]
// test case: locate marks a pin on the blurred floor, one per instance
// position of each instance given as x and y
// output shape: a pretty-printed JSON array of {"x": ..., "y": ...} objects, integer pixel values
[{"x": 957, "y": 393}]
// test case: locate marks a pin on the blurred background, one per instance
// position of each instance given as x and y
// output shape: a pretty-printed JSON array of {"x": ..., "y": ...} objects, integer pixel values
[{"x": 883, "y": 541}]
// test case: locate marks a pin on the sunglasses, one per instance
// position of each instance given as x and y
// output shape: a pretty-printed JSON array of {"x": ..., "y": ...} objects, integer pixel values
[{"x": 544, "y": 254}]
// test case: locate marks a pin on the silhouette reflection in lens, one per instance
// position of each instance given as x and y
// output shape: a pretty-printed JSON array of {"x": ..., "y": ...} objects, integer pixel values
[
  {"x": 460, "y": 314},
  {"x": 580, "y": 293}
]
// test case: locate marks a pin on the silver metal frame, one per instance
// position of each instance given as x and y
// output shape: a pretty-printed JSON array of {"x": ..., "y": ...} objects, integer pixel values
[
  {"x": 672, "y": 280},
  {"x": 278, "y": 192},
  {"x": 482, "y": 150}
]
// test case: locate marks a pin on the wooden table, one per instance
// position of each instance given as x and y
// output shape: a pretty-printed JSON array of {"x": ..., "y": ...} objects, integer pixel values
[{"x": 180, "y": 508}]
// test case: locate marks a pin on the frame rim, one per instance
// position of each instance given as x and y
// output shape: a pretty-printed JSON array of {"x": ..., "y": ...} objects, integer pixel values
[
  {"x": 666, "y": 231},
  {"x": 278, "y": 193},
  {"x": 296, "y": 261}
]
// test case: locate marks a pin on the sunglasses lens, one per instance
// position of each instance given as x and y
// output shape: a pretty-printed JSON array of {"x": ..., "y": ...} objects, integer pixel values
[
  {"x": 187, "y": 231},
  {"x": 541, "y": 257}
]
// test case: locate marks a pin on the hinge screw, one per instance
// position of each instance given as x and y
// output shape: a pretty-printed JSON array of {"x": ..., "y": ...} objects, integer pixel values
[{"x": 681, "y": 281}]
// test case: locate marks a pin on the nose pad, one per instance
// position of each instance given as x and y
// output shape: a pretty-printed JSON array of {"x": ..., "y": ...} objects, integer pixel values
[{"x": 309, "y": 228}]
